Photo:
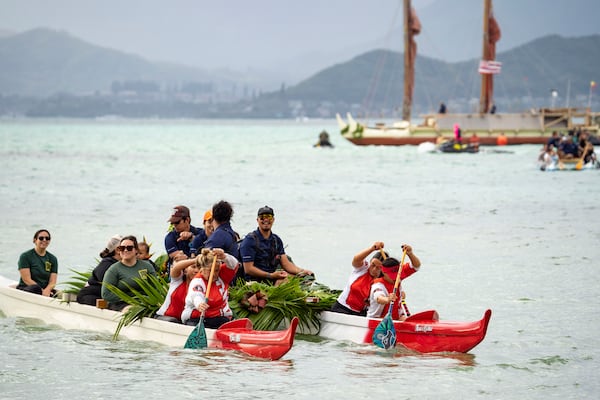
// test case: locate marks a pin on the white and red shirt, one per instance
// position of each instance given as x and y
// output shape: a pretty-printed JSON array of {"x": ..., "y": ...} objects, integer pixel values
[
  {"x": 218, "y": 299},
  {"x": 381, "y": 287},
  {"x": 355, "y": 295}
]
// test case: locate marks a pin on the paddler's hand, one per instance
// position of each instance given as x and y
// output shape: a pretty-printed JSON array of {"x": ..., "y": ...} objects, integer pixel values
[
  {"x": 219, "y": 253},
  {"x": 408, "y": 248},
  {"x": 377, "y": 246},
  {"x": 202, "y": 307}
]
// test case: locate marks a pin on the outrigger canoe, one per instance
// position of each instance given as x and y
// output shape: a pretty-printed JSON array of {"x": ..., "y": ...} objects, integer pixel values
[
  {"x": 422, "y": 332},
  {"x": 235, "y": 335}
]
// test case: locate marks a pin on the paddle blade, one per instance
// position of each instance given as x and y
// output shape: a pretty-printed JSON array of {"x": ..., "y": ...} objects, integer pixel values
[
  {"x": 197, "y": 339},
  {"x": 384, "y": 335},
  {"x": 579, "y": 165}
]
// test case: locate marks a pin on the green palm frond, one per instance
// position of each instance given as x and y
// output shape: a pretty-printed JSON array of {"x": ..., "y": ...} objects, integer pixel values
[
  {"x": 143, "y": 302},
  {"x": 285, "y": 301},
  {"x": 77, "y": 281}
]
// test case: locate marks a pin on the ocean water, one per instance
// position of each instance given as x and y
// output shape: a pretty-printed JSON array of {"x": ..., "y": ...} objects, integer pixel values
[{"x": 491, "y": 230}]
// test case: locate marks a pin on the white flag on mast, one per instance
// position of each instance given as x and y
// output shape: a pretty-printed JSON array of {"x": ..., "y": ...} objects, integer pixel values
[{"x": 489, "y": 67}]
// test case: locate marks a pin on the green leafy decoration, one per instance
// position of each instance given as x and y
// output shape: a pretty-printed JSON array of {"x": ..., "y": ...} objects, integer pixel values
[
  {"x": 77, "y": 281},
  {"x": 143, "y": 302},
  {"x": 285, "y": 301}
]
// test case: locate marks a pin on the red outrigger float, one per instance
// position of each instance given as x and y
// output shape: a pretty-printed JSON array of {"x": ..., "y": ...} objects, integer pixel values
[
  {"x": 239, "y": 335},
  {"x": 422, "y": 332}
]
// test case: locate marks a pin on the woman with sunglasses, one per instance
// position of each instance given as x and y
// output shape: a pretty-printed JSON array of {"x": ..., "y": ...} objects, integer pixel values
[
  {"x": 38, "y": 267},
  {"x": 123, "y": 274}
]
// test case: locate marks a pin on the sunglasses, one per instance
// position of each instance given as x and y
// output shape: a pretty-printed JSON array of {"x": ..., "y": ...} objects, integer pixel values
[
  {"x": 177, "y": 223},
  {"x": 266, "y": 216},
  {"x": 43, "y": 237},
  {"x": 128, "y": 248}
]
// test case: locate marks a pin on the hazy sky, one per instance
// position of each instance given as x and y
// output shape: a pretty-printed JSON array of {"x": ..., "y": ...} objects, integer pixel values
[
  {"x": 209, "y": 33},
  {"x": 295, "y": 37}
]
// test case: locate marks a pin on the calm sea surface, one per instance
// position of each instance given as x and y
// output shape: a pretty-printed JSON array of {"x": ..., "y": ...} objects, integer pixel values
[{"x": 492, "y": 231}]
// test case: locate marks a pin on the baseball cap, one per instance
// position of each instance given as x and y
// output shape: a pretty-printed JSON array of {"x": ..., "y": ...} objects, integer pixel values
[
  {"x": 178, "y": 213},
  {"x": 113, "y": 242},
  {"x": 266, "y": 210}
]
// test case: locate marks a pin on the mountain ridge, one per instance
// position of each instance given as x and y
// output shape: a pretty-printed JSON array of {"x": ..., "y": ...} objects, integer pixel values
[{"x": 42, "y": 63}]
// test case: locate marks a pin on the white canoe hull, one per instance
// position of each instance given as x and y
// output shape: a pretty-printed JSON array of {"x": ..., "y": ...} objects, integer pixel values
[{"x": 72, "y": 315}]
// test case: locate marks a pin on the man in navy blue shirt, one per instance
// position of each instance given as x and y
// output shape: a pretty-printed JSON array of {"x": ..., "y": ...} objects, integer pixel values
[
  {"x": 179, "y": 238},
  {"x": 223, "y": 236},
  {"x": 262, "y": 252}
]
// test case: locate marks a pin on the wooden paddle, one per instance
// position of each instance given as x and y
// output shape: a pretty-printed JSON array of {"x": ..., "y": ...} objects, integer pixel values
[
  {"x": 197, "y": 338},
  {"x": 382, "y": 253},
  {"x": 384, "y": 335},
  {"x": 579, "y": 164}
]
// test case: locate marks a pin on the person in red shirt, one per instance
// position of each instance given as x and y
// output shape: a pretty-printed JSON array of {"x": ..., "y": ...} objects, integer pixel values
[
  {"x": 182, "y": 273},
  {"x": 382, "y": 289},
  {"x": 216, "y": 306},
  {"x": 354, "y": 299}
]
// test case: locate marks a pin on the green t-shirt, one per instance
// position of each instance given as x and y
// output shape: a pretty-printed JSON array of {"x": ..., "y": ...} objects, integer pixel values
[
  {"x": 40, "y": 266},
  {"x": 120, "y": 275}
]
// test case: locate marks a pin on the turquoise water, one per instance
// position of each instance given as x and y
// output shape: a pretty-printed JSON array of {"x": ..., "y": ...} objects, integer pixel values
[{"x": 492, "y": 231}]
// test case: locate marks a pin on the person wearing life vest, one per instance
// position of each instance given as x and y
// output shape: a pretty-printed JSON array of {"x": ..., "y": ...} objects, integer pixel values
[
  {"x": 382, "y": 289},
  {"x": 354, "y": 299}
]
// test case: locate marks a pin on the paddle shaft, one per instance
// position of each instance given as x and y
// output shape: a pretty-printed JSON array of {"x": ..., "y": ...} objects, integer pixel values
[
  {"x": 398, "y": 280},
  {"x": 197, "y": 338},
  {"x": 209, "y": 284},
  {"x": 579, "y": 164},
  {"x": 384, "y": 334}
]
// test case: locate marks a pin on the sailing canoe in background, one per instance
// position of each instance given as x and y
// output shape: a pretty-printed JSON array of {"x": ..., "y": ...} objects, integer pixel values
[{"x": 534, "y": 126}]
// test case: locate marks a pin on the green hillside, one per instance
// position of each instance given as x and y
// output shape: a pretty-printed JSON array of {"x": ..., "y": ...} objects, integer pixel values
[{"x": 49, "y": 73}]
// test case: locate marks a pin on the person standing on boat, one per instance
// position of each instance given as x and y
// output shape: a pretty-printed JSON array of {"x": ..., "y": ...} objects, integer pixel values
[
  {"x": 442, "y": 109},
  {"x": 180, "y": 236},
  {"x": 38, "y": 268},
  {"x": 92, "y": 290},
  {"x": 262, "y": 253},
  {"x": 457, "y": 134},
  {"x": 123, "y": 274},
  {"x": 354, "y": 299},
  {"x": 216, "y": 308},
  {"x": 382, "y": 289}
]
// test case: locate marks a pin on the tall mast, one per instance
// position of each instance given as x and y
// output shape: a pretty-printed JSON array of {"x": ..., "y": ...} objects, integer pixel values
[
  {"x": 412, "y": 27},
  {"x": 486, "y": 79}
]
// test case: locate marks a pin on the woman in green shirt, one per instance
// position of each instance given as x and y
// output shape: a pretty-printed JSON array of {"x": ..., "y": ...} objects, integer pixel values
[
  {"x": 38, "y": 268},
  {"x": 122, "y": 274}
]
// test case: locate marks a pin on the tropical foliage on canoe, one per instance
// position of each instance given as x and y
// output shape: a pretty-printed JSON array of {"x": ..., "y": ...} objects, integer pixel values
[{"x": 300, "y": 297}]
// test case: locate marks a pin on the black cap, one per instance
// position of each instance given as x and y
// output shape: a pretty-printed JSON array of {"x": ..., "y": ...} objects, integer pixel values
[{"x": 265, "y": 210}]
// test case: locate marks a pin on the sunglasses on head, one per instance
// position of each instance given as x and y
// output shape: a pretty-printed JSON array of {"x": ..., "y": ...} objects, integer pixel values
[
  {"x": 265, "y": 216},
  {"x": 128, "y": 248},
  {"x": 43, "y": 237}
]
